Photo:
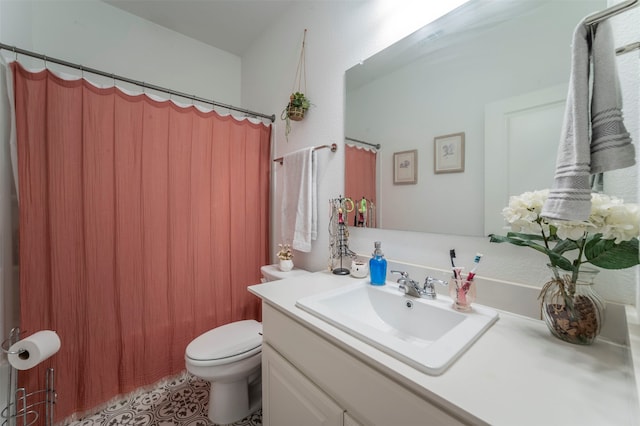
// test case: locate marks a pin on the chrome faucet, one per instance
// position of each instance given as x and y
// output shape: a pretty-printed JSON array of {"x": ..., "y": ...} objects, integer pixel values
[
  {"x": 410, "y": 287},
  {"x": 413, "y": 288}
]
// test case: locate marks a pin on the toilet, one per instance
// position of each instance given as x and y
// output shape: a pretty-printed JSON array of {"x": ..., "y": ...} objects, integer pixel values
[
  {"x": 273, "y": 273},
  {"x": 230, "y": 357}
]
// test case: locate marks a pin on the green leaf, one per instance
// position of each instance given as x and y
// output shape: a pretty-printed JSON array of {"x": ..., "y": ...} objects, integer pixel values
[
  {"x": 609, "y": 255},
  {"x": 526, "y": 240},
  {"x": 528, "y": 237},
  {"x": 564, "y": 246}
]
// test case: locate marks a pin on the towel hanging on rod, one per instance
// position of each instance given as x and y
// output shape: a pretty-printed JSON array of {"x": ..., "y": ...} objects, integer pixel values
[
  {"x": 333, "y": 147},
  {"x": 609, "y": 12}
]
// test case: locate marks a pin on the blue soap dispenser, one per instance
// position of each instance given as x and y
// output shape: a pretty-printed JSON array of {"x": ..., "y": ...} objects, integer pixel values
[{"x": 378, "y": 266}]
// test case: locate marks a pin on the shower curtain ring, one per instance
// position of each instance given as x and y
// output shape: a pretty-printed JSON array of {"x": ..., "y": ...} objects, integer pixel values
[
  {"x": 44, "y": 58},
  {"x": 15, "y": 52}
]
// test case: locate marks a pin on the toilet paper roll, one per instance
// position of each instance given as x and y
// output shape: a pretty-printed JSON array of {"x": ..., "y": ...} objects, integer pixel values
[{"x": 32, "y": 350}]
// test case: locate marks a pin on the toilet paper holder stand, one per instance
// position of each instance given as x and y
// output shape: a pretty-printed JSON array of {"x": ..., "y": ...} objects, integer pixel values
[{"x": 22, "y": 406}]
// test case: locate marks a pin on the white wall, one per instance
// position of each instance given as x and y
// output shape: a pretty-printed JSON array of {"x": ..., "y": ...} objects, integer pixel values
[
  {"x": 339, "y": 35},
  {"x": 97, "y": 35}
]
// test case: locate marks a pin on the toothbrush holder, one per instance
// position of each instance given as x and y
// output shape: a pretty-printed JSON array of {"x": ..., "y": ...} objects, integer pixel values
[{"x": 463, "y": 293}]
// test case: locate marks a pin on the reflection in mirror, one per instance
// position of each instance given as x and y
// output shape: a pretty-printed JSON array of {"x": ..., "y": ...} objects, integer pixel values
[
  {"x": 361, "y": 182},
  {"x": 449, "y": 77}
]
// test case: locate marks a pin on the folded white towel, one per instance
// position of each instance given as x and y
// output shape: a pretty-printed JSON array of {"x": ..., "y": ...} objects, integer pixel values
[
  {"x": 299, "y": 199},
  {"x": 580, "y": 154}
]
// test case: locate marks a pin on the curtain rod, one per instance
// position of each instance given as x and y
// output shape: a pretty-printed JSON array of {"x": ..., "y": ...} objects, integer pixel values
[
  {"x": 333, "y": 147},
  {"x": 610, "y": 11},
  {"x": 142, "y": 84},
  {"x": 375, "y": 145}
]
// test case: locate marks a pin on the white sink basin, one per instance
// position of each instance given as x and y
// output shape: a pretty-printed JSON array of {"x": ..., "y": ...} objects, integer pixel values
[{"x": 426, "y": 334}]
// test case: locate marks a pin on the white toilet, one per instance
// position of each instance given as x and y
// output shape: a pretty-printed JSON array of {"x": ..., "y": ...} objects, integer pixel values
[
  {"x": 273, "y": 273},
  {"x": 229, "y": 357}
]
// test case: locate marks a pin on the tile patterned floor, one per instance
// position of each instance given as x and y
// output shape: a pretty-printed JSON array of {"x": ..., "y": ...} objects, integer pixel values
[{"x": 182, "y": 400}]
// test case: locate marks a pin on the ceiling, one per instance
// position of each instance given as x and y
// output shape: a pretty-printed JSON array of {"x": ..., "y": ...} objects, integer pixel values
[{"x": 230, "y": 25}]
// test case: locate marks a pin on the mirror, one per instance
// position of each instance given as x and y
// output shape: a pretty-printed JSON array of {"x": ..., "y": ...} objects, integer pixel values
[{"x": 457, "y": 75}]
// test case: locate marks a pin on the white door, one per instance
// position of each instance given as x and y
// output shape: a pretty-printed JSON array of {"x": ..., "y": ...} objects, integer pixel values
[{"x": 523, "y": 133}]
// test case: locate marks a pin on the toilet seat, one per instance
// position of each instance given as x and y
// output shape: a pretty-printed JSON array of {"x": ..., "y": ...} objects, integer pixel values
[{"x": 226, "y": 344}]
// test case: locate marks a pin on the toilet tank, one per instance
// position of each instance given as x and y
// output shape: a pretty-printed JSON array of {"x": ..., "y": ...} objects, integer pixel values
[{"x": 273, "y": 273}]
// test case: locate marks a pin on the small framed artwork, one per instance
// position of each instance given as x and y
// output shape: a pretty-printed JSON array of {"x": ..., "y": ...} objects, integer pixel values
[
  {"x": 405, "y": 167},
  {"x": 448, "y": 153}
]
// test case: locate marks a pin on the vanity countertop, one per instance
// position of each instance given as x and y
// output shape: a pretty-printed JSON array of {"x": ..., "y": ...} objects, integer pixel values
[{"x": 516, "y": 373}]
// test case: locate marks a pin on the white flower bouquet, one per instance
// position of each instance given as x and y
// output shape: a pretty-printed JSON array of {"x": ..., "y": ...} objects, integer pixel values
[
  {"x": 285, "y": 253},
  {"x": 608, "y": 240}
]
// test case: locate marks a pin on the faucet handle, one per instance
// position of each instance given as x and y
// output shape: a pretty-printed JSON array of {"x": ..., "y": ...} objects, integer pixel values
[
  {"x": 430, "y": 288},
  {"x": 402, "y": 273},
  {"x": 429, "y": 281}
]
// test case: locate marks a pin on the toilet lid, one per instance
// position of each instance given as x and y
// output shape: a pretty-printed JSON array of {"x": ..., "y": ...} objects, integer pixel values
[{"x": 226, "y": 341}]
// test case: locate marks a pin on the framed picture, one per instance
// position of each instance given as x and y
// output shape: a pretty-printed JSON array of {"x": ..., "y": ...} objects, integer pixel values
[
  {"x": 405, "y": 167},
  {"x": 448, "y": 153}
]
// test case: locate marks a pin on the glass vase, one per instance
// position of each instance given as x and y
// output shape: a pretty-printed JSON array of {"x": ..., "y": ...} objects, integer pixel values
[{"x": 573, "y": 311}]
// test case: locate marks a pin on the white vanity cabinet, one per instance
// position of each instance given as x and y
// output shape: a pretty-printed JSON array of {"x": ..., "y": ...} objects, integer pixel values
[
  {"x": 289, "y": 398},
  {"x": 307, "y": 380},
  {"x": 333, "y": 377}
]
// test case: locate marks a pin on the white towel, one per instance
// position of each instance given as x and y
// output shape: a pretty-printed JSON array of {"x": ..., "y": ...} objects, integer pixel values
[
  {"x": 299, "y": 199},
  {"x": 609, "y": 148}
]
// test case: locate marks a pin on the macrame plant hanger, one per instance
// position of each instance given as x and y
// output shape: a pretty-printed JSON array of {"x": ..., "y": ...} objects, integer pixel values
[
  {"x": 298, "y": 102},
  {"x": 300, "y": 80}
]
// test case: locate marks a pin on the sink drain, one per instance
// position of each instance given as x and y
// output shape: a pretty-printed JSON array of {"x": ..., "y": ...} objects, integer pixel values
[{"x": 408, "y": 304}]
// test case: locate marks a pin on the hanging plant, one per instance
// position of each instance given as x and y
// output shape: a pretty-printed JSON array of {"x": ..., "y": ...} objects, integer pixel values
[
  {"x": 298, "y": 102},
  {"x": 298, "y": 105}
]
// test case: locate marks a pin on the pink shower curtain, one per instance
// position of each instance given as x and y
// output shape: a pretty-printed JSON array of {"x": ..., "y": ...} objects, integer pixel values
[
  {"x": 141, "y": 225},
  {"x": 360, "y": 175}
]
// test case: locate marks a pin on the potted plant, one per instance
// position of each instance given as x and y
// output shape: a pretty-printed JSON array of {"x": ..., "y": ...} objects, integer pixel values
[
  {"x": 295, "y": 110},
  {"x": 609, "y": 240},
  {"x": 285, "y": 255},
  {"x": 298, "y": 106}
]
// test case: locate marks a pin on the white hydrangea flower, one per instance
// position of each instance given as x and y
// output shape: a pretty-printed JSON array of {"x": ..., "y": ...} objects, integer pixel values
[
  {"x": 609, "y": 216},
  {"x": 621, "y": 223},
  {"x": 523, "y": 212},
  {"x": 573, "y": 230}
]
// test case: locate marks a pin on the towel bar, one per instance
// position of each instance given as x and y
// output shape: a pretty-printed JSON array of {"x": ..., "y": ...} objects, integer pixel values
[{"x": 333, "y": 146}]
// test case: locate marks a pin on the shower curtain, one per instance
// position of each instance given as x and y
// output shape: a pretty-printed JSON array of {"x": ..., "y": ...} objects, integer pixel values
[
  {"x": 141, "y": 225},
  {"x": 360, "y": 174}
]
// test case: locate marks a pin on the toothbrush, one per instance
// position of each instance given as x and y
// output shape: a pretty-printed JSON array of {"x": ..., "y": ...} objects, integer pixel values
[
  {"x": 452, "y": 255},
  {"x": 476, "y": 262},
  {"x": 472, "y": 273}
]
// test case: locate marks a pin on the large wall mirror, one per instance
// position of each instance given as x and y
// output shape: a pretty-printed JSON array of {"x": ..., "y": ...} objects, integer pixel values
[{"x": 485, "y": 67}]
